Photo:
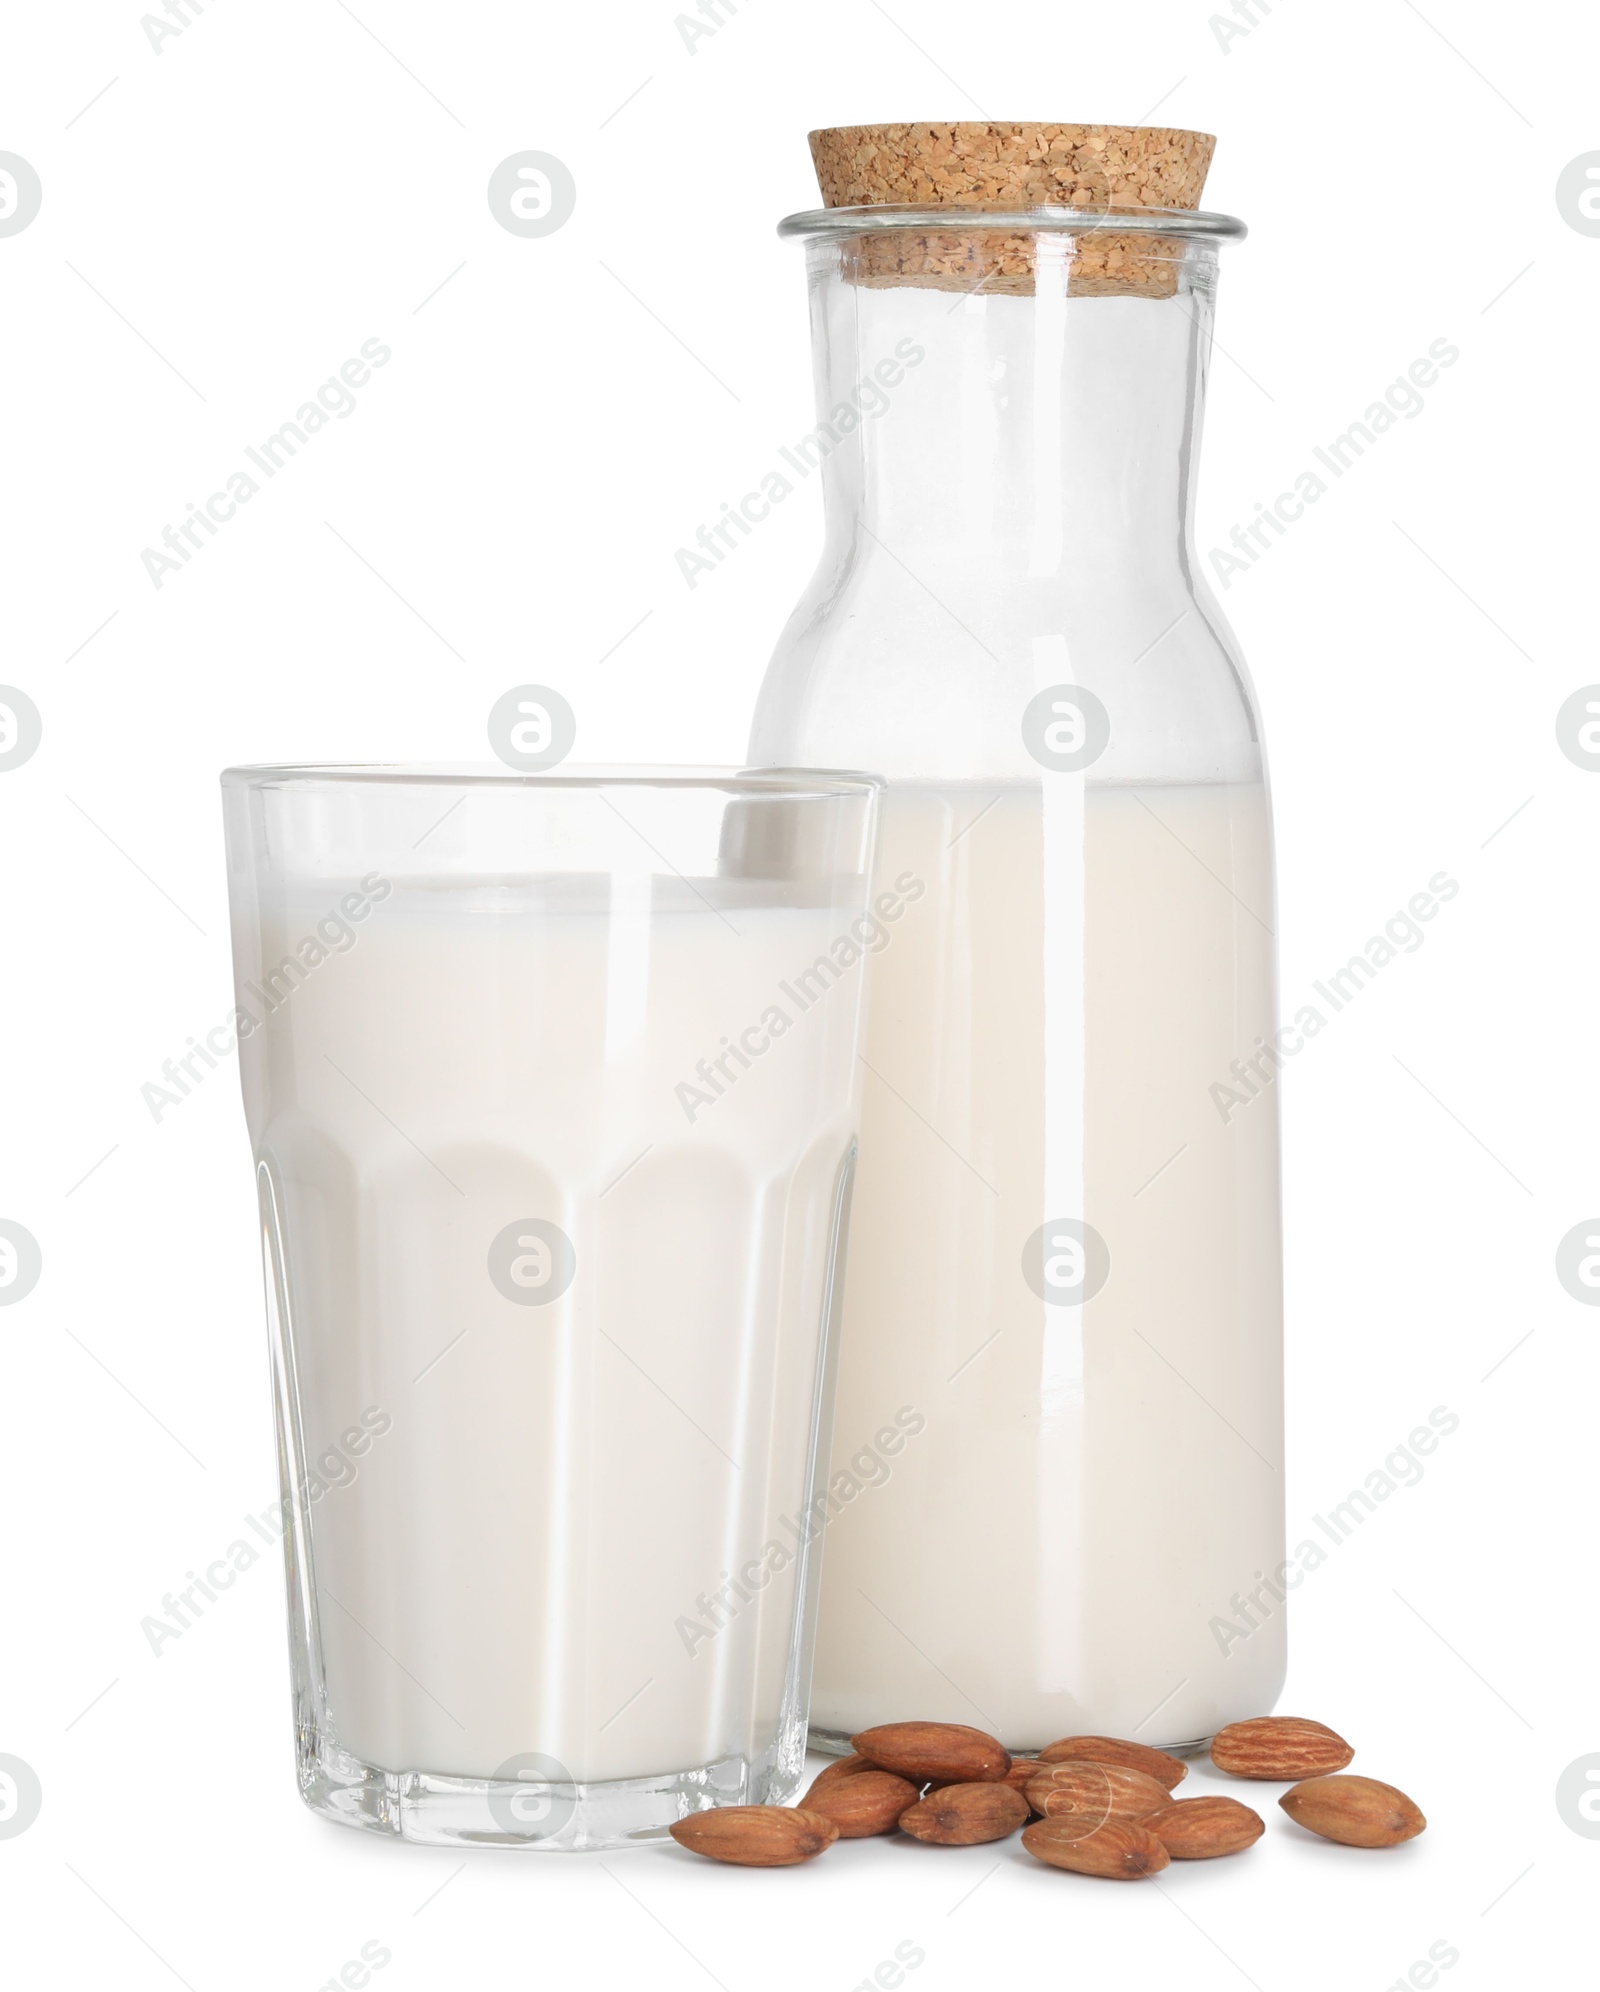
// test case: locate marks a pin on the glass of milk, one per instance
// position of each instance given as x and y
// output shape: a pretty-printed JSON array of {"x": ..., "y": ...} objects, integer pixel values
[{"x": 551, "y": 1089}]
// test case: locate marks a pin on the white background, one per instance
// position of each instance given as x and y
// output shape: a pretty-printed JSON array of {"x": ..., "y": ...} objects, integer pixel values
[{"x": 222, "y": 226}]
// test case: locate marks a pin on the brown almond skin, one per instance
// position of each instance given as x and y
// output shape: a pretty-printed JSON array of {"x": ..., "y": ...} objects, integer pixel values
[
  {"x": 755, "y": 1835},
  {"x": 1159, "y": 1764},
  {"x": 1022, "y": 1768},
  {"x": 1121, "y": 1850},
  {"x": 934, "y": 1752},
  {"x": 1279, "y": 1746},
  {"x": 1201, "y": 1829},
  {"x": 866, "y": 1803},
  {"x": 1090, "y": 1794},
  {"x": 1357, "y": 1812},
  {"x": 830, "y": 1774},
  {"x": 966, "y": 1815}
]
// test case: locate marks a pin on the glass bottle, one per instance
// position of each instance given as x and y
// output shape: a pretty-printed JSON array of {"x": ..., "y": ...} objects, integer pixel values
[{"x": 1064, "y": 1261}]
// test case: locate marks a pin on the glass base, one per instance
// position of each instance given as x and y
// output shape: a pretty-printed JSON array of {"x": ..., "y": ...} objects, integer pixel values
[
  {"x": 836, "y": 1743},
  {"x": 540, "y": 1814}
]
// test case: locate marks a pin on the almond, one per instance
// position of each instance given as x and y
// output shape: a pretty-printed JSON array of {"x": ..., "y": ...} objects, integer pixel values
[
  {"x": 755, "y": 1835},
  {"x": 1199, "y": 1829},
  {"x": 830, "y": 1774},
  {"x": 934, "y": 1752},
  {"x": 1121, "y": 1850},
  {"x": 1090, "y": 1794},
  {"x": 866, "y": 1803},
  {"x": 1113, "y": 1750},
  {"x": 1279, "y": 1746},
  {"x": 966, "y": 1815},
  {"x": 1022, "y": 1768},
  {"x": 1357, "y": 1812}
]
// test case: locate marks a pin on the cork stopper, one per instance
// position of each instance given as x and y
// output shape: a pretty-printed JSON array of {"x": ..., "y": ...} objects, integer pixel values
[{"x": 968, "y": 166}]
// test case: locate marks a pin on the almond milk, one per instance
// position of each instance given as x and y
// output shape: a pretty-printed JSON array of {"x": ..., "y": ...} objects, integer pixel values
[{"x": 1094, "y": 1482}]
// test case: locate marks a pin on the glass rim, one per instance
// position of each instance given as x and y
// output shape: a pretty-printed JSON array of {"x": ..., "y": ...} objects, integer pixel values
[
  {"x": 1192, "y": 224},
  {"x": 796, "y": 784}
]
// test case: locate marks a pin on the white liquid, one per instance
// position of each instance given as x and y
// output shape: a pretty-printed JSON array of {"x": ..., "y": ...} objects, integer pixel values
[
  {"x": 506, "y": 1571},
  {"x": 1095, "y": 1483}
]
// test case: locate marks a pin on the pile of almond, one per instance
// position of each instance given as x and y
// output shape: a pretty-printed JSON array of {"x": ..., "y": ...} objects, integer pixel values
[{"x": 1098, "y": 1805}]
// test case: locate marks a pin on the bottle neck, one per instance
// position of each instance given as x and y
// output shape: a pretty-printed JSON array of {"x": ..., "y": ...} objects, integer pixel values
[
  {"x": 1047, "y": 438},
  {"x": 1009, "y": 470}
]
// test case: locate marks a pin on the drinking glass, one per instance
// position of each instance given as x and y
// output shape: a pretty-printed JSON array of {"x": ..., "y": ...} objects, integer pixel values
[{"x": 550, "y": 1083}]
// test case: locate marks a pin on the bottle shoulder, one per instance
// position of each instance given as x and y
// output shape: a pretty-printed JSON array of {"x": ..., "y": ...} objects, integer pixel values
[{"x": 932, "y": 677}]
